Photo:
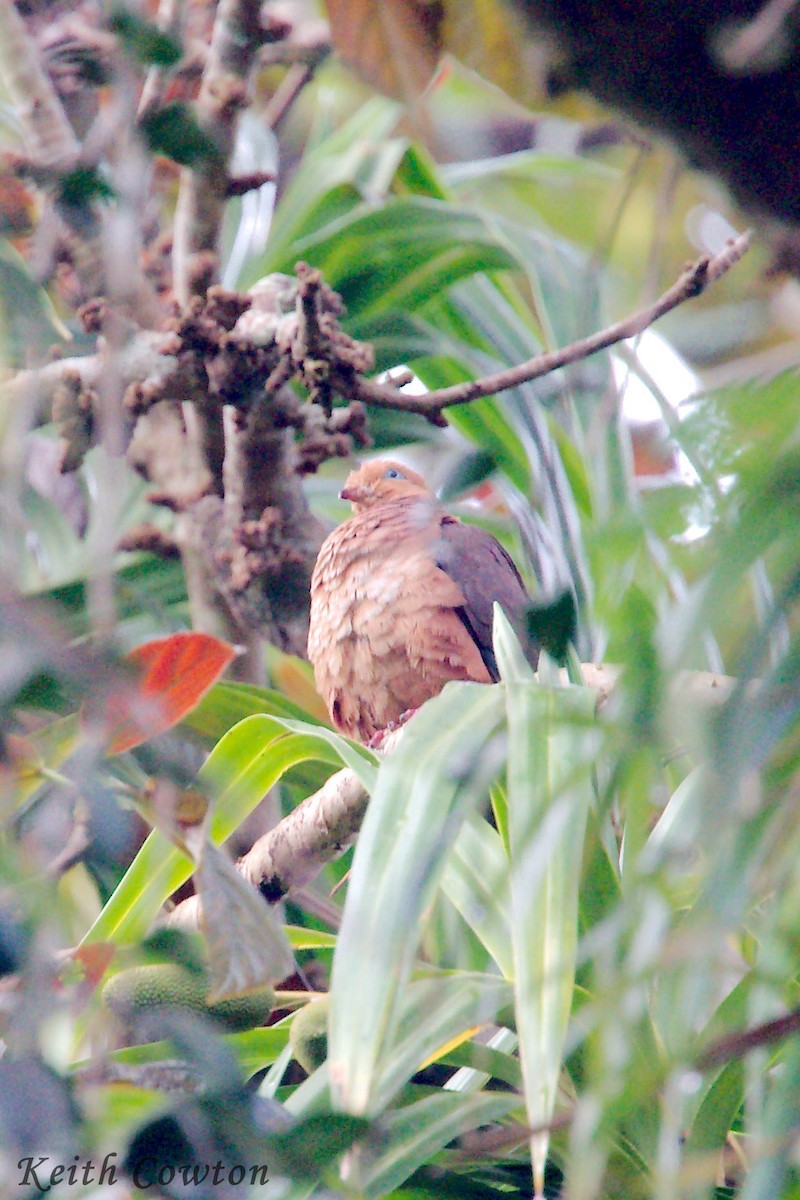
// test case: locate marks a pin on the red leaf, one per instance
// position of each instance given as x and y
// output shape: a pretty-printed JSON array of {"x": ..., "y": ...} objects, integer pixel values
[{"x": 174, "y": 674}]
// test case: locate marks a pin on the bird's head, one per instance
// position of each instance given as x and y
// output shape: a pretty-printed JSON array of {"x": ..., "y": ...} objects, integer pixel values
[{"x": 382, "y": 481}]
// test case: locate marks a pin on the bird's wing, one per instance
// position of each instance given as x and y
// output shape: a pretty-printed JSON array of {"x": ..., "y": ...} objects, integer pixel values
[{"x": 479, "y": 565}]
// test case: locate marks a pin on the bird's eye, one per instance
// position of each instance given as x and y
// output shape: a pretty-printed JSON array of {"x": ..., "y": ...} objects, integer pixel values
[{"x": 393, "y": 473}]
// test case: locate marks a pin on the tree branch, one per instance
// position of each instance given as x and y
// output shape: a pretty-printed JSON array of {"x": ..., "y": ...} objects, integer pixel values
[
  {"x": 289, "y": 856},
  {"x": 695, "y": 279},
  {"x": 736, "y": 1045},
  {"x": 203, "y": 193}
]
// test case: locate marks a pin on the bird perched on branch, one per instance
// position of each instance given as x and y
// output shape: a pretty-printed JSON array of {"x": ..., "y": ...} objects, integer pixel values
[{"x": 401, "y": 601}]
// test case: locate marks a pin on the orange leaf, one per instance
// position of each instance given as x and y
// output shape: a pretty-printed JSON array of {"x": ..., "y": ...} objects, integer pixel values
[
  {"x": 95, "y": 958},
  {"x": 174, "y": 674}
]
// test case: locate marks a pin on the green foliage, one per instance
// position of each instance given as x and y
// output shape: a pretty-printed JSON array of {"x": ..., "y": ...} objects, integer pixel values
[
  {"x": 81, "y": 186},
  {"x": 174, "y": 132},
  {"x": 145, "y": 41}
]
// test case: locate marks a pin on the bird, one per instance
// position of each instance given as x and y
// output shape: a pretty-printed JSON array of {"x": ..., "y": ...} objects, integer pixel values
[{"x": 402, "y": 598}]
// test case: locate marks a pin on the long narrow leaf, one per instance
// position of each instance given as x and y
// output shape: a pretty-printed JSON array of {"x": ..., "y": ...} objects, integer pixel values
[
  {"x": 423, "y": 792},
  {"x": 550, "y": 749}
]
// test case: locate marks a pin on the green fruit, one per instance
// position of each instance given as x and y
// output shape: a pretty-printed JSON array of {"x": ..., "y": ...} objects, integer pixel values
[
  {"x": 243, "y": 1012},
  {"x": 131, "y": 993},
  {"x": 308, "y": 1036}
]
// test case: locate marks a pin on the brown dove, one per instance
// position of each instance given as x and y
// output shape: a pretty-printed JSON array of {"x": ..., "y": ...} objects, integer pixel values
[{"x": 401, "y": 601}]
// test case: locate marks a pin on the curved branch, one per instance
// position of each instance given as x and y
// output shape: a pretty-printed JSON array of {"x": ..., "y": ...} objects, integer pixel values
[{"x": 694, "y": 280}]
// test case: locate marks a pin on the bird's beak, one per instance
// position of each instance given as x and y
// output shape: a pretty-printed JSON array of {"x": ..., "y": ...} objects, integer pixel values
[{"x": 354, "y": 493}]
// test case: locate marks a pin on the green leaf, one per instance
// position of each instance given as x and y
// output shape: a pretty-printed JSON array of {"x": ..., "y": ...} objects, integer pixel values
[
  {"x": 346, "y": 158},
  {"x": 145, "y": 41},
  {"x": 475, "y": 880},
  {"x": 433, "y": 1012},
  {"x": 399, "y": 256},
  {"x": 174, "y": 132},
  {"x": 553, "y": 626},
  {"x": 414, "y": 1134},
  {"x": 551, "y": 752},
  {"x": 486, "y": 1062}
]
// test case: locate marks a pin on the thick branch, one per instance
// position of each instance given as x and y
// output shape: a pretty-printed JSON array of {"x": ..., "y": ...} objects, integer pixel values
[
  {"x": 318, "y": 831},
  {"x": 693, "y": 281},
  {"x": 141, "y": 360}
]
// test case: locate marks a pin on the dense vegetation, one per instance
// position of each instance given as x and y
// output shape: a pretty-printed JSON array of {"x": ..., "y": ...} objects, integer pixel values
[{"x": 563, "y": 954}]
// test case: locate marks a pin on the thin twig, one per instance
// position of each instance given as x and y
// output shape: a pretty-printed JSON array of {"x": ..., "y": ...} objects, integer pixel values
[
  {"x": 735, "y": 1045},
  {"x": 759, "y": 38},
  {"x": 692, "y": 282},
  {"x": 286, "y": 93}
]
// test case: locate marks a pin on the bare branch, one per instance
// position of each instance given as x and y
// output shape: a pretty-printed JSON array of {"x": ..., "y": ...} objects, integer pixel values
[
  {"x": 286, "y": 93},
  {"x": 695, "y": 279},
  {"x": 223, "y": 92},
  {"x": 317, "y": 832},
  {"x": 142, "y": 360}
]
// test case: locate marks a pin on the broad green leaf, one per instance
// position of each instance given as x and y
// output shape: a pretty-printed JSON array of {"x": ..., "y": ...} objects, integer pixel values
[
  {"x": 401, "y": 254},
  {"x": 551, "y": 190},
  {"x": 254, "y": 1048},
  {"x": 345, "y": 158},
  {"x": 228, "y": 703},
  {"x": 479, "y": 1062},
  {"x": 435, "y": 1010}
]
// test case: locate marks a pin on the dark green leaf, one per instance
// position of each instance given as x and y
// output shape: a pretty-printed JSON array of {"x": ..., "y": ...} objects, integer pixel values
[
  {"x": 553, "y": 626},
  {"x": 81, "y": 186},
  {"x": 146, "y": 42},
  {"x": 174, "y": 132}
]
